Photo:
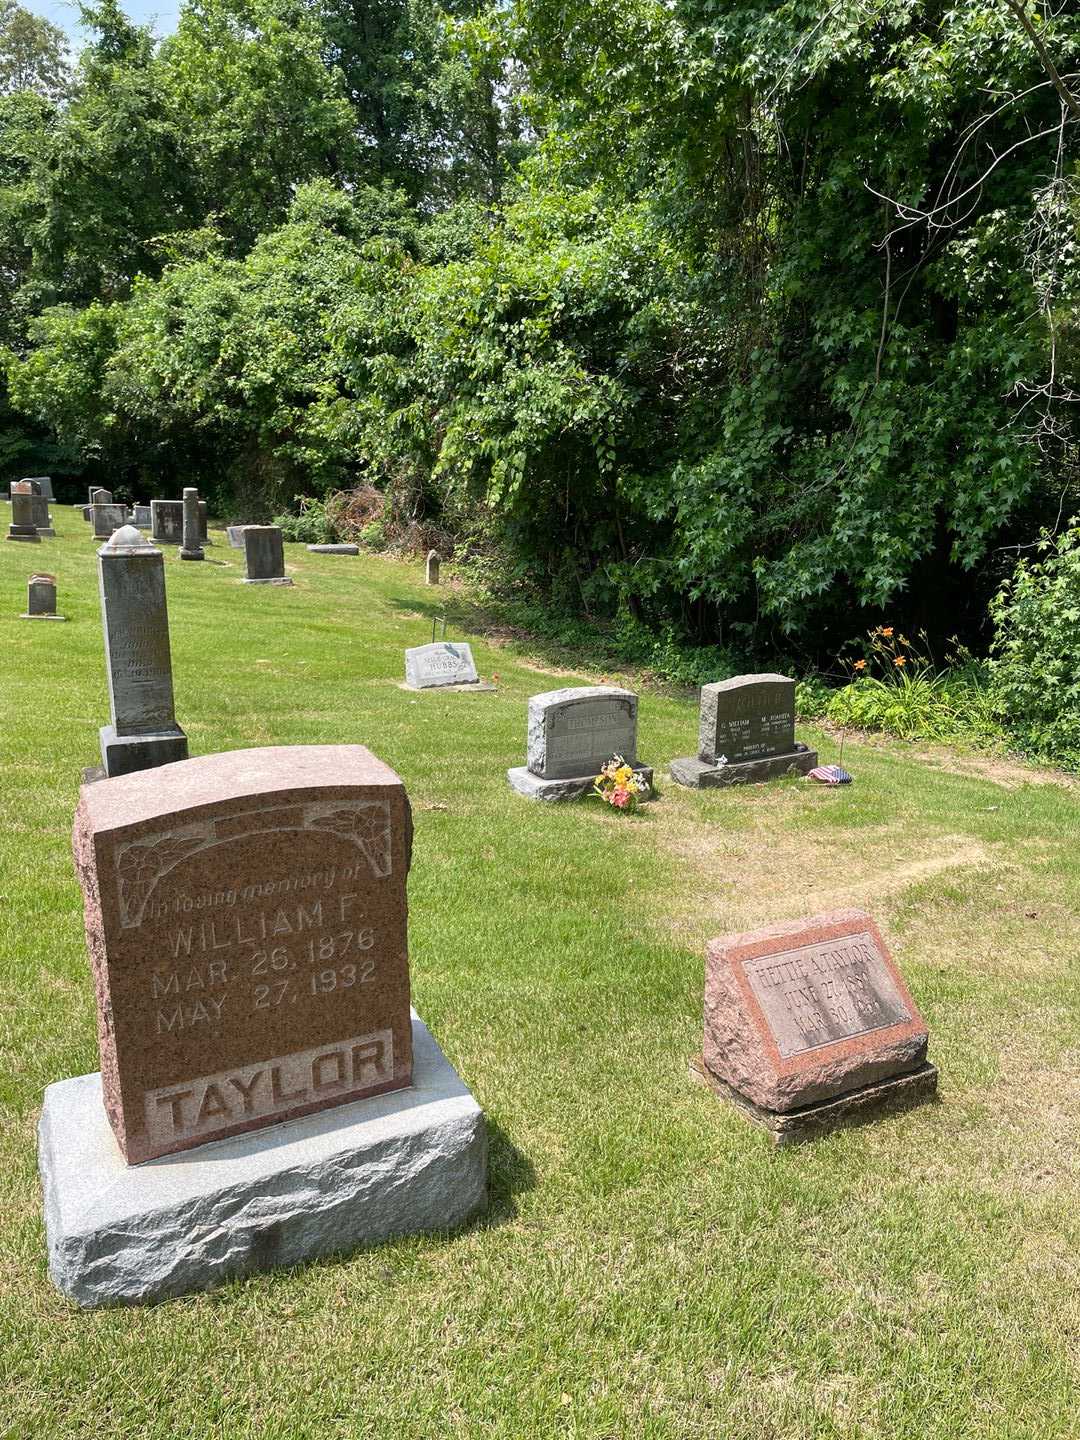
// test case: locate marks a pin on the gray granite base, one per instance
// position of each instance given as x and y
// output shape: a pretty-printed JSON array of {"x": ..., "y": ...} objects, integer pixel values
[
  {"x": 124, "y": 754},
  {"x": 34, "y": 539},
  {"x": 269, "y": 580},
  {"x": 858, "y": 1107},
  {"x": 526, "y": 783},
  {"x": 356, "y": 1174},
  {"x": 699, "y": 775}
]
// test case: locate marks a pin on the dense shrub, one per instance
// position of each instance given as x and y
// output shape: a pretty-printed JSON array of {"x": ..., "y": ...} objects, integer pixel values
[
  {"x": 311, "y": 525},
  {"x": 1036, "y": 650}
]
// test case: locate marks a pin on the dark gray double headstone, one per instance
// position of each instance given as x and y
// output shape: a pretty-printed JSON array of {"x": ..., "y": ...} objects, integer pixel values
[
  {"x": 142, "y": 731},
  {"x": 264, "y": 555},
  {"x": 40, "y": 505},
  {"x": 746, "y": 733},
  {"x": 572, "y": 734},
  {"x": 167, "y": 522}
]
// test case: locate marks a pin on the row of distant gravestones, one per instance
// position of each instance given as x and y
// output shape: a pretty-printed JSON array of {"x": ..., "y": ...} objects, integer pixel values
[{"x": 246, "y": 916}]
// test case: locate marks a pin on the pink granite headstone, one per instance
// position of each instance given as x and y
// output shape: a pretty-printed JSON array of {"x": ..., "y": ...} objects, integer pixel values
[
  {"x": 804, "y": 1012},
  {"x": 246, "y": 922}
]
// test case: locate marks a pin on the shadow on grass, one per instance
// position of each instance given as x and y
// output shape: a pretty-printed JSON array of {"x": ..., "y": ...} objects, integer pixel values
[{"x": 510, "y": 1173}]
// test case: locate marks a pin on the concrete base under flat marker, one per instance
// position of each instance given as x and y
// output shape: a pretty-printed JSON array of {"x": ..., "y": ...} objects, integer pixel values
[
  {"x": 398, "y": 1164},
  {"x": 526, "y": 783},
  {"x": 472, "y": 688},
  {"x": 857, "y": 1107}
]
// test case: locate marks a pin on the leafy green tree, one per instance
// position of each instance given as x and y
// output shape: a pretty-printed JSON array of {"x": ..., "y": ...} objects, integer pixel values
[{"x": 33, "y": 53}]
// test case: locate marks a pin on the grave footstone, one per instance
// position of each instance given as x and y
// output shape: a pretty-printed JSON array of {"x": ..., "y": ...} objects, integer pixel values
[
  {"x": 191, "y": 549},
  {"x": 142, "y": 732},
  {"x": 247, "y": 928},
  {"x": 809, "y": 1025},
  {"x": 264, "y": 555},
  {"x": 572, "y": 732},
  {"x": 746, "y": 734},
  {"x": 167, "y": 522},
  {"x": 440, "y": 665},
  {"x": 432, "y": 574},
  {"x": 107, "y": 519},
  {"x": 41, "y": 599},
  {"x": 23, "y": 516}
]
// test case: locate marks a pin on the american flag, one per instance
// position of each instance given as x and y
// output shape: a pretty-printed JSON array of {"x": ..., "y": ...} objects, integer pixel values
[{"x": 830, "y": 775}]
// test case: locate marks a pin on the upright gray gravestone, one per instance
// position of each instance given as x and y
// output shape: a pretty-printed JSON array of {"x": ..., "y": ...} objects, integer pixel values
[
  {"x": 97, "y": 496},
  {"x": 143, "y": 731},
  {"x": 432, "y": 575},
  {"x": 204, "y": 525},
  {"x": 236, "y": 536},
  {"x": 107, "y": 519},
  {"x": 41, "y": 599},
  {"x": 140, "y": 517},
  {"x": 23, "y": 515},
  {"x": 191, "y": 548},
  {"x": 42, "y": 518},
  {"x": 264, "y": 553},
  {"x": 45, "y": 486},
  {"x": 573, "y": 733},
  {"x": 167, "y": 521},
  {"x": 746, "y": 734}
]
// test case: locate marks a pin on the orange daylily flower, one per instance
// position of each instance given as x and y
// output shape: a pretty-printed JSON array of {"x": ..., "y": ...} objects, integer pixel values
[
  {"x": 887, "y": 630},
  {"x": 899, "y": 660},
  {"x": 859, "y": 665}
]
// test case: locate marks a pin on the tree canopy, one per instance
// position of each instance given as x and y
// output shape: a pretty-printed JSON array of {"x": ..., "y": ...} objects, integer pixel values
[{"x": 743, "y": 317}]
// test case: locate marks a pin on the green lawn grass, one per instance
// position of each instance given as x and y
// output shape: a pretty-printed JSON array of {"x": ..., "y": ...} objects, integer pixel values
[{"x": 649, "y": 1267}]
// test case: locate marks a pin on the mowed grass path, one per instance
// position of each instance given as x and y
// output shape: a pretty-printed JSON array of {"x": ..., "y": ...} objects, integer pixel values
[{"x": 649, "y": 1266}]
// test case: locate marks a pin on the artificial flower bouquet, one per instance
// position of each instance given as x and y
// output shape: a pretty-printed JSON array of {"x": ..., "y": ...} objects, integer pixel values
[{"x": 619, "y": 786}]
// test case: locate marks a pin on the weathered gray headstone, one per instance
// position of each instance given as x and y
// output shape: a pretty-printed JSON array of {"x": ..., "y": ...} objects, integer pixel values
[
  {"x": 41, "y": 599},
  {"x": 204, "y": 524},
  {"x": 572, "y": 733},
  {"x": 107, "y": 519},
  {"x": 143, "y": 731},
  {"x": 443, "y": 663},
  {"x": 98, "y": 496},
  {"x": 42, "y": 518},
  {"x": 191, "y": 549},
  {"x": 23, "y": 515},
  {"x": 236, "y": 536},
  {"x": 432, "y": 574},
  {"x": 141, "y": 517},
  {"x": 167, "y": 521},
  {"x": 746, "y": 734},
  {"x": 264, "y": 554},
  {"x": 45, "y": 486}
]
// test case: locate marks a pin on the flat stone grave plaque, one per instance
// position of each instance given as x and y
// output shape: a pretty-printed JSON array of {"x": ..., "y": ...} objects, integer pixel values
[
  {"x": 445, "y": 662},
  {"x": 800, "y": 1013},
  {"x": 246, "y": 921}
]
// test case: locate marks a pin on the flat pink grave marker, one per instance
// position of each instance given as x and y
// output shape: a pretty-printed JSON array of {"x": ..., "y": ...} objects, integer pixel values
[{"x": 808, "y": 1022}]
